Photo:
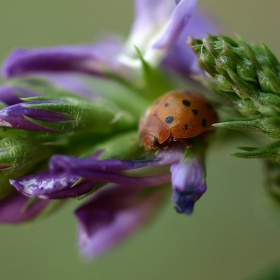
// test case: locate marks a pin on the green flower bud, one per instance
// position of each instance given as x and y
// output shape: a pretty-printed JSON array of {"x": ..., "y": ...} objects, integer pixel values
[
  {"x": 223, "y": 83},
  {"x": 251, "y": 72},
  {"x": 20, "y": 155},
  {"x": 266, "y": 103},
  {"x": 225, "y": 62},
  {"x": 268, "y": 81},
  {"x": 78, "y": 115},
  {"x": 247, "y": 108},
  {"x": 205, "y": 59}
]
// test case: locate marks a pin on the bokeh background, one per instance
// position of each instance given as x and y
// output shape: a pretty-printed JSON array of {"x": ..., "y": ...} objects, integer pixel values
[{"x": 234, "y": 232}]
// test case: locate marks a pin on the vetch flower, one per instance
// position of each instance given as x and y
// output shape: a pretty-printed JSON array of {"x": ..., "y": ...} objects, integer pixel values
[
  {"x": 10, "y": 95},
  {"x": 63, "y": 180},
  {"x": 64, "y": 115},
  {"x": 188, "y": 183},
  {"x": 69, "y": 133},
  {"x": 14, "y": 209},
  {"x": 159, "y": 32},
  {"x": 247, "y": 77},
  {"x": 111, "y": 215}
]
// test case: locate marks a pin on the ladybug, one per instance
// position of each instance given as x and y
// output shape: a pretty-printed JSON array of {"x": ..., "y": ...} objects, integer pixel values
[{"x": 177, "y": 115}]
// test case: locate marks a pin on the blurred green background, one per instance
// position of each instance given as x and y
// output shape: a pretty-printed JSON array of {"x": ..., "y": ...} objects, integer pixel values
[{"x": 234, "y": 232}]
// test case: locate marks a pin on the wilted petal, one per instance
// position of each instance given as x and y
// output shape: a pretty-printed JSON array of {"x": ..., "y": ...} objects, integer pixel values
[
  {"x": 47, "y": 185},
  {"x": 12, "y": 209},
  {"x": 111, "y": 215},
  {"x": 89, "y": 59},
  {"x": 181, "y": 57},
  {"x": 188, "y": 184}
]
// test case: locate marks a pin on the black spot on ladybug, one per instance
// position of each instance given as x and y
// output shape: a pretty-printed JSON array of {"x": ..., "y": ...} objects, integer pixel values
[
  {"x": 166, "y": 105},
  {"x": 195, "y": 112},
  {"x": 155, "y": 143},
  {"x": 186, "y": 102},
  {"x": 204, "y": 123},
  {"x": 186, "y": 127},
  {"x": 169, "y": 119}
]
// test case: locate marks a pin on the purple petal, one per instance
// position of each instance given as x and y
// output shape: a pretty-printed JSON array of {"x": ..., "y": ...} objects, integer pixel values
[
  {"x": 188, "y": 184},
  {"x": 149, "y": 17},
  {"x": 15, "y": 116},
  {"x": 76, "y": 83},
  {"x": 11, "y": 95},
  {"x": 90, "y": 59},
  {"x": 12, "y": 209},
  {"x": 92, "y": 164},
  {"x": 111, "y": 215},
  {"x": 110, "y": 177},
  {"x": 65, "y": 171},
  {"x": 181, "y": 57},
  {"x": 47, "y": 185},
  {"x": 109, "y": 170},
  {"x": 176, "y": 24}
]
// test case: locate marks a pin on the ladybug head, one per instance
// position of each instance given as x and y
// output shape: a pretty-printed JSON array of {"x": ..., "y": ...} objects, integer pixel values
[
  {"x": 149, "y": 141},
  {"x": 153, "y": 132}
]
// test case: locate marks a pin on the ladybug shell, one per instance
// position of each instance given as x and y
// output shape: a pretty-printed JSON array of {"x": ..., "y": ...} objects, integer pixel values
[{"x": 176, "y": 115}]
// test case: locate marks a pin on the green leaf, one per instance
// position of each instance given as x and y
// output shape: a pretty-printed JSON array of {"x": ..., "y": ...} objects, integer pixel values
[
  {"x": 270, "y": 151},
  {"x": 155, "y": 82},
  {"x": 266, "y": 126}
]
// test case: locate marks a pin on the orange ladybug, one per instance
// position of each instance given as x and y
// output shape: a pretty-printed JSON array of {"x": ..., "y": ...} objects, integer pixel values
[{"x": 177, "y": 115}]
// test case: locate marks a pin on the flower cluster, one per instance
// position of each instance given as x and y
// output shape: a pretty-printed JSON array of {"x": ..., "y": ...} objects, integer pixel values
[
  {"x": 68, "y": 125},
  {"x": 247, "y": 78}
]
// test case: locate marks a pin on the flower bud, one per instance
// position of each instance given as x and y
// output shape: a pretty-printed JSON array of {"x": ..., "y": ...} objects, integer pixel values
[
  {"x": 188, "y": 184},
  {"x": 65, "y": 115},
  {"x": 249, "y": 72},
  {"x": 19, "y": 155}
]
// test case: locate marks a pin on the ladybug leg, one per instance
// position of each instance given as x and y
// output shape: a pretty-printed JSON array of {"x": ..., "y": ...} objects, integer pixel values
[{"x": 185, "y": 142}]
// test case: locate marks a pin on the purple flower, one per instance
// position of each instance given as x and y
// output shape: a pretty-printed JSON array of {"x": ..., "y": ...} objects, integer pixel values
[
  {"x": 93, "y": 146},
  {"x": 115, "y": 212},
  {"x": 13, "y": 209},
  {"x": 24, "y": 116},
  {"x": 111, "y": 215},
  {"x": 63, "y": 180},
  {"x": 181, "y": 58},
  {"x": 11, "y": 95},
  {"x": 160, "y": 32},
  {"x": 188, "y": 184}
]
